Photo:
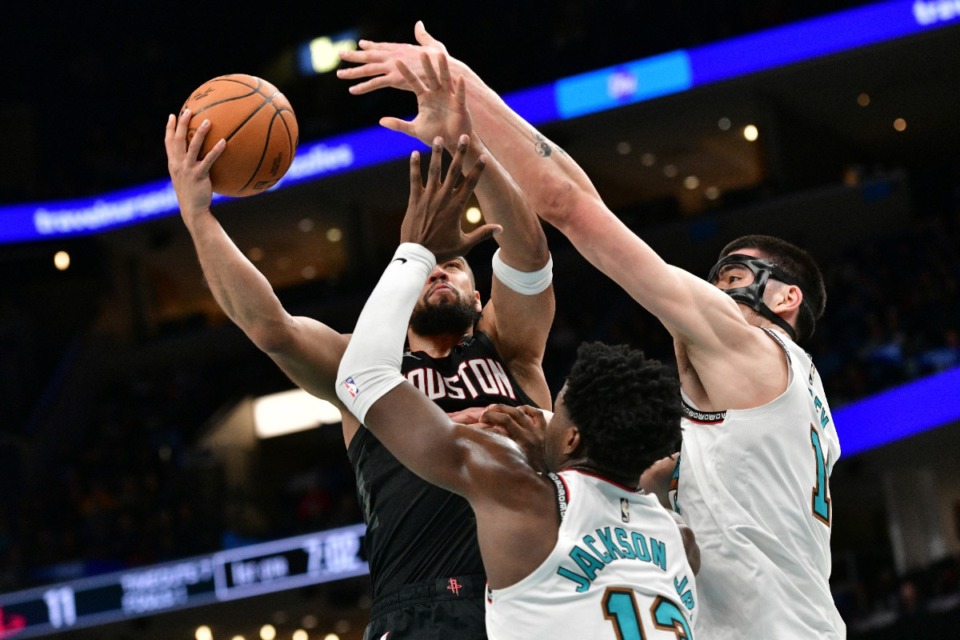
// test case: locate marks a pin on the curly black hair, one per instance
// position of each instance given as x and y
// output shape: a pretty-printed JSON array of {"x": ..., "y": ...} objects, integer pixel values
[
  {"x": 796, "y": 263},
  {"x": 626, "y": 406}
]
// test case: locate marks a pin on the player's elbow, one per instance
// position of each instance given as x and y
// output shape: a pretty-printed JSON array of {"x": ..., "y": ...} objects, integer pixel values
[
  {"x": 270, "y": 336},
  {"x": 560, "y": 201}
]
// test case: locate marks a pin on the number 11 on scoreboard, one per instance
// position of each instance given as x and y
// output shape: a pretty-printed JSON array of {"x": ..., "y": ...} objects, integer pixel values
[{"x": 61, "y": 607}]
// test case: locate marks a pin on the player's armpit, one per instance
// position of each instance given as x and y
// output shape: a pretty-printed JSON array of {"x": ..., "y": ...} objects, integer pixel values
[{"x": 689, "y": 542}]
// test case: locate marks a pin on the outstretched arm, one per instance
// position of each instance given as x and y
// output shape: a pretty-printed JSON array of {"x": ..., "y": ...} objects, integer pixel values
[
  {"x": 518, "y": 317},
  {"x": 370, "y": 384},
  {"x": 704, "y": 320},
  {"x": 511, "y": 501},
  {"x": 305, "y": 349},
  {"x": 557, "y": 188}
]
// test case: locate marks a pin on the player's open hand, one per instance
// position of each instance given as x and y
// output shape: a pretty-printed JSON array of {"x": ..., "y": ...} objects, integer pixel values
[
  {"x": 434, "y": 210},
  {"x": 189, "y": 173},
  {"x": 441, "y": 102},
  {"x": 378, "y": 62}
]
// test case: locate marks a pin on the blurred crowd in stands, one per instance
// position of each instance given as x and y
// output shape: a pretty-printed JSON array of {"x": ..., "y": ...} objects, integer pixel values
[{"x": 920, "y": 604}]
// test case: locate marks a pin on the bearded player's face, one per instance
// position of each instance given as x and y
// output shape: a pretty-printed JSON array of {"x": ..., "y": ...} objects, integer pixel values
[{"x": 449, "y": 302}]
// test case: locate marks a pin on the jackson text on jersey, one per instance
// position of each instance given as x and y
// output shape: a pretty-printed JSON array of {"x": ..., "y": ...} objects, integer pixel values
[{"x": 617, "y": 543}]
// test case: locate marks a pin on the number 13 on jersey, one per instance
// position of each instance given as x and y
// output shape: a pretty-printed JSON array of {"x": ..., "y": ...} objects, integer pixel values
[{"x": 620, "y": 608}]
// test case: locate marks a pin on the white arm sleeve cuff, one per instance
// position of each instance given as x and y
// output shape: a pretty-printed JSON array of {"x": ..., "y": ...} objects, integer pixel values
[
  {"x": 528, "y": 283},
  {"x": 370, "y": 367}
]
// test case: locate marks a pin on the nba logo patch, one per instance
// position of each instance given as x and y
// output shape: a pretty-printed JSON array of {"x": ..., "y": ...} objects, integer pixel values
[
  {"x": 351, "y": 387},
  {"x": 624, "y": 509}
]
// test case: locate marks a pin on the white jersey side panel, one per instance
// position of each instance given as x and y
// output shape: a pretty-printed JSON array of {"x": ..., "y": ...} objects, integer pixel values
[
  {"x": 754, "y": 487},
  {"x": 618, "y": 571}
]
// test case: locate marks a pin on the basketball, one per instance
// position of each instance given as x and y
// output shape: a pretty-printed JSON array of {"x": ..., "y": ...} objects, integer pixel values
[{"x": 258, "y": 124}]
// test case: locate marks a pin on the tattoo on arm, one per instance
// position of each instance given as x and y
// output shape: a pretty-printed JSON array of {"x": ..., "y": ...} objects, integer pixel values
[{"x": 544, "y": 147}]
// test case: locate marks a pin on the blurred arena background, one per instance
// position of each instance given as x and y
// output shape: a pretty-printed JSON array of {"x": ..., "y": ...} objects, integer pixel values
[{"x": 127, "y": 401}]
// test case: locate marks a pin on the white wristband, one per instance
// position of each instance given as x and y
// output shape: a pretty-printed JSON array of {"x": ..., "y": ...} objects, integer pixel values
[
  {"x": 370, "y": 366},
  {"x": 528, "y": 283}
]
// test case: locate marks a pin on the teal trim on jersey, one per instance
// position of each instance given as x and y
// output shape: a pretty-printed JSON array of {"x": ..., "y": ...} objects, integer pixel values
[
  {"x": 620, "y": 607},
  {"x": 667, "y": 615},
  {"x": 821, "y": 503}
]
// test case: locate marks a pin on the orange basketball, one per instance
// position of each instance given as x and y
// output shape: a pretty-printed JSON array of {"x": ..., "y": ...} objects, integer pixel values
[{"x": 258, "y": 124}]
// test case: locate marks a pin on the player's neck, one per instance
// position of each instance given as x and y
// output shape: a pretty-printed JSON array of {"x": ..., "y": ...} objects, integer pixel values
[
  {"x": 588, "y": 466},
  {"x": 437, "y": 346}
]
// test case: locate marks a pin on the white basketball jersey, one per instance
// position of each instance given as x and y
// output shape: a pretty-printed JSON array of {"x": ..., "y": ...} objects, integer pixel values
[
  {"x": 618, "y": 571},
  {"x": 753, "y": 486}
]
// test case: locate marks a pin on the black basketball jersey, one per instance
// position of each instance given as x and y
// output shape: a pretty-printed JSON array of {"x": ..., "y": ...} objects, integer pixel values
[{"x": 416, "y": 531}]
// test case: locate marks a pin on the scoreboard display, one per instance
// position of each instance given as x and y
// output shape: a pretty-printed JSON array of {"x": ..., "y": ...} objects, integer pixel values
[{"x": 226, "y": 575}]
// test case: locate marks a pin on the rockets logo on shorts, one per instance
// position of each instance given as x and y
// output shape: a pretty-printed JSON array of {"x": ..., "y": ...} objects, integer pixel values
[{"x": 351, "y": 387}]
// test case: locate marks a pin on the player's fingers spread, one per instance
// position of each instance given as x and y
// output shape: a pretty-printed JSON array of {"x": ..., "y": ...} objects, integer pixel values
[
  {"x": 364, "y": 69},
  {"x": 424, "y": 38},
  {"x": 212, "y": 156},
  {"x": 358, "y": 56},
  {"x": 372, "y": 45},
  {"x": 353, "y": 73},
  {"x": 416, "y": 85},
  {"x": 468, "y": 183},
  {"x": 485, "y": 232},
  {"x": 168, "y": 135},
  {"x": 429, "y": 71},
  {"x": 368, "y": 86},
  {"x": 196, "y": 143},
  {"x": 454, "y": 173},
  {"x": 472, "y": 178},
  {"x": 444, "y": 68},
  {"x": 183, "y": 123},
  {"x": 396, "y": 124},
  {"x": 436, "y": 164},
  {"x": 416, "y": 180}
]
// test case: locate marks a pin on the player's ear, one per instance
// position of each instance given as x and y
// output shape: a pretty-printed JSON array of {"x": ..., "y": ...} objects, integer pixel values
[
  {"x": 786, "y": 301},
  {"x": 476, "y": 302},
  {"x": 789, "y": 298},
  {"x": 571, "y": 440}
]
